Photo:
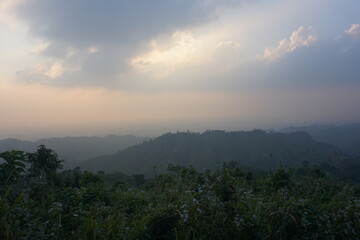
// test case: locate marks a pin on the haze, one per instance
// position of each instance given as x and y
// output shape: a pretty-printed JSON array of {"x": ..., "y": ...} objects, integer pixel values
[{"x": 90, "y": 67}]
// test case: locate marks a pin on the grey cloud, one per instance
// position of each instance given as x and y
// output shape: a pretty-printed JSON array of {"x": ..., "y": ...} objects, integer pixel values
[
  {"x": 326, "y": 63},
  {"x": 120, "y": 28},
  {"x": 85, "y": 22},
  {"x": 333, "y": 62}
]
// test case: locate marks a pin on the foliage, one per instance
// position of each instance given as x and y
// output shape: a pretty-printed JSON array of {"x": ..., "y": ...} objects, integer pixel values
[
  {"x": 229, "y": 203},
  {"x": 13, "y": 167},
  {"x": 280, "y": 179},
  {"x": 44, "y": 163}
]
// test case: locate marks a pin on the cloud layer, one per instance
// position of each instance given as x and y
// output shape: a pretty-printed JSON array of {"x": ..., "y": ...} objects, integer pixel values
[
  {"x": 91, "y": 40},
  {"x": 166, "y": 45}
]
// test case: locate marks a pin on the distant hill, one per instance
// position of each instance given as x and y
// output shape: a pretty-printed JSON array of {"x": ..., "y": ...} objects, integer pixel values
[
  {"x": 346, "y": 137},
  {"x": 255, "y": 149},
  {"x": 75, "y": 149}
]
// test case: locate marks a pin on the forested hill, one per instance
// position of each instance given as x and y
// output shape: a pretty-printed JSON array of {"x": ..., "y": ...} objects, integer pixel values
[
  {"x": 346, "y": 137},
  {"x": 75, "y": 149},
  {"x": 256, "y": 149}
]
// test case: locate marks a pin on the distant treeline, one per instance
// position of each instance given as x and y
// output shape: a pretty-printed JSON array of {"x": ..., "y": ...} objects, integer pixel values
[{"x": 209, "y": 150}]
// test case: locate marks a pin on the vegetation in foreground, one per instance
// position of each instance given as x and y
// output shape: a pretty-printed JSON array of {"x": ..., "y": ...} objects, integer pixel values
[{"x": 36, "y": 202}]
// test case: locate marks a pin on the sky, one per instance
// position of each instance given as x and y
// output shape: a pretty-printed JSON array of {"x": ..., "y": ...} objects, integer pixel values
[{"x": 91, "y": 67}]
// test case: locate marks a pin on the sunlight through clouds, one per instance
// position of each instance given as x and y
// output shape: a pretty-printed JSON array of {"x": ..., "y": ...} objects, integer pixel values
[
  {"x": 185, "y": 49},
  {"x": 162, "y": 61}
]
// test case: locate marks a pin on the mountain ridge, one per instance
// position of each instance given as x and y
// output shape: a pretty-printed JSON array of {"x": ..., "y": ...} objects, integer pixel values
[{"x": 209, "y": 150}]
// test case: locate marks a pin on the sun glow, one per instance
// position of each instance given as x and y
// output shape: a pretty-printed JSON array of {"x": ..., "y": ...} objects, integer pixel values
[{"x": 168, "y": 55}]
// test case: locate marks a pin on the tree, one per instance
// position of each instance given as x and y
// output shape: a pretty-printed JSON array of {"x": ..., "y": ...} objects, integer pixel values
[
  {"x": 280, "y": 179},
  {"x": 44, "y": 163}
]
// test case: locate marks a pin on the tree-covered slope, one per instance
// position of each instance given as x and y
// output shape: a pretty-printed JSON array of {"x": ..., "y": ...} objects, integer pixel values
[{"x": 255, "y": 149}]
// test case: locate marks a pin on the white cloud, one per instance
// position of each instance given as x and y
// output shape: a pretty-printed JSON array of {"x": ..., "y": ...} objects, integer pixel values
[
  {"x": 40, "y": 48},
  {"x": 93, "y": 49},
  {"x": 302, "y": 37},
  {"x": 167, "y": 56},
  {"x": 56, "y": 70},
  {"x": 228, "y": 44},
  {"x": 6, "y": 13},
  {"x": 49, "y": 70},
  {"x": 186, "y": 52},
  {"x": 354, "y": 30},
  {"x": 61, "y": 60}
]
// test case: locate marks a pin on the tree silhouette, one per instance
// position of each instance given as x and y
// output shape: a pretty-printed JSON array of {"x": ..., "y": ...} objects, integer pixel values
[{"x": 44, "y": 163}]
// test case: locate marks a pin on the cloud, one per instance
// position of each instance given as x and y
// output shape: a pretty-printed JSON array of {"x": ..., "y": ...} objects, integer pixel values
[
  {"x": 327, "y": 63},
  {"x": 40, "y": 48},
  {"x": 111, "y": 32},
  {"x": 5, "y": 10},
  {"x": 168, "y": 55},
  {"x": 185, "y": 51},
  {"x": 85, "y": 22},
  {"x": 300, "y": 38},
  {"x": 58, "y": 68},
  {"x": 176, "y": 45},
  {"x": 354, "y": 30},
  {"x": 228, "y": 44},
  {"x": 48, "y": 70},
  {"x": 324, "y": 63},
  {"x": 93, "y": 49}
]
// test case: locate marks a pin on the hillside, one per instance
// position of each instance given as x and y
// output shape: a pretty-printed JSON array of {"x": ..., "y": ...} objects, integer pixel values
[
  {"x": 255, "y": 149},
  {"x": 345, "y": 137},
  {"x": 74, "y": 149}
]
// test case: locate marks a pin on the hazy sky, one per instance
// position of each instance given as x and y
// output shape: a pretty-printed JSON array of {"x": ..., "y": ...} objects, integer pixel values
[{"x": 91, "y": 67}]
